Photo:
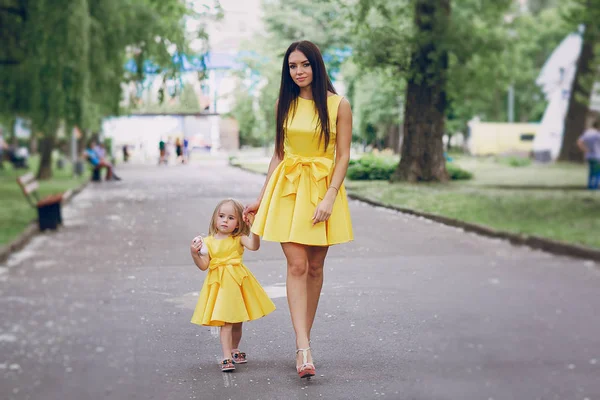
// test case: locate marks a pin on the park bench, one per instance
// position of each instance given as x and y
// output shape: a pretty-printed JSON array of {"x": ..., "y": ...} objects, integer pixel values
[{"x": 48, "y": 208}]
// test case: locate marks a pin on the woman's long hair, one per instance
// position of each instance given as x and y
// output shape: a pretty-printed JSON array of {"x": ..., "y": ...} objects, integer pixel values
[{"x": 289, "y": 92}]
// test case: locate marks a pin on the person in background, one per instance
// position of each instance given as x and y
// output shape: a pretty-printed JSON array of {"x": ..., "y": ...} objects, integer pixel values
[
  {"x": 162, "y": 150},
  {"x": 186, "y": 150},
  {"x": 3, "y": 148},
  {"x": 97, "y": 162},
  {"x": 589, "y": 143},
  {"x": 179, "y": 150}
]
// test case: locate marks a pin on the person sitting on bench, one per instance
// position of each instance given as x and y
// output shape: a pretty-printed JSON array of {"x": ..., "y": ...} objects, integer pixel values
[{"x": 99, "y": 162}]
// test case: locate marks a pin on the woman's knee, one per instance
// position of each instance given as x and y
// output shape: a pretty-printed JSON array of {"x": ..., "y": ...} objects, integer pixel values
[
  {"x": 315, "y": 269},
  {"x": 297, "y": 267}
]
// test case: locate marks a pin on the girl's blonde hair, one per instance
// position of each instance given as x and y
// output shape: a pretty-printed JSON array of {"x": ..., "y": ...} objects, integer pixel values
[{"x": 242, "y": 229}]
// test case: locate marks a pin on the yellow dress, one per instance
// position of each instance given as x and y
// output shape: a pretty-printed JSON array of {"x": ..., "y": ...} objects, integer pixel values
[
  {"x": 300, "y": 182},
  {"x": 230, "y": 292}
]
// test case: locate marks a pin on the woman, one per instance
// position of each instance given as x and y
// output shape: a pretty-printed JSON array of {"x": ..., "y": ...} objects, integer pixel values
[{"x": 303, "y": 202}]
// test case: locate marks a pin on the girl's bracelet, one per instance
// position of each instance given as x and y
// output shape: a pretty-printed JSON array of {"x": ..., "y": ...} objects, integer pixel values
[{"x": 336, "y": 189}]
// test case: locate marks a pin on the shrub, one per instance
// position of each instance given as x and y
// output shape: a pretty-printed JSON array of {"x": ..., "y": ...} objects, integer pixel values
[
  {"x": 456, "y": 173},
  {"x": 374, "y": 168},
  {"x": 514, "y": 161},
  {"x": 371, "y": 168},
  {"x": 233, "y": 161}
]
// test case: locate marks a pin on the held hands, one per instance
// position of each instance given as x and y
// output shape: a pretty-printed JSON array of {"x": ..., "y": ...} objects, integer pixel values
[
  {"x": 250, "y": 211},
  {"x": 249, "y": 218}
]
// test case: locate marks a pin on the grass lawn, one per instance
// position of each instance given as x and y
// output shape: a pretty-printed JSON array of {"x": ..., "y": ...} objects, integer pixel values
[
  {"x": 543, "y": 200},
  {"x": 15, "y": 212}
]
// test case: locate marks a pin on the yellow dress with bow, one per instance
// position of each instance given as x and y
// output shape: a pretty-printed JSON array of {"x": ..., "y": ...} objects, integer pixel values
[
  {"x": 300, "y": 182},
  {"x": 230, "y": 293}
]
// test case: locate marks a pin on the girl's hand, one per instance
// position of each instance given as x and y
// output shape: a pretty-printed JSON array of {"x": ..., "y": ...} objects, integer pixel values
[
  {"x": 196, "y": 245},
  {"x": 251, "y": 208},
  {"x": 323, "y": 211},
  {"x": 250, "y": 218}
]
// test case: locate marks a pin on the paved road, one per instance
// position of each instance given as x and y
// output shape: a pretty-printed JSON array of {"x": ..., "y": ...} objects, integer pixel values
[{"x": 410, "y": 310}]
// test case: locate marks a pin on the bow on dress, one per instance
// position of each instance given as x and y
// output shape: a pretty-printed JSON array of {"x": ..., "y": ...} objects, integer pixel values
[
  {"x": 218, "y": 266},
  {"x": 317, "y": 169}
]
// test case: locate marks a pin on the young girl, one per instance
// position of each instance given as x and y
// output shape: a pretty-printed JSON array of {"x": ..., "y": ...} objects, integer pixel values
[{"x": 230, "y": 294}]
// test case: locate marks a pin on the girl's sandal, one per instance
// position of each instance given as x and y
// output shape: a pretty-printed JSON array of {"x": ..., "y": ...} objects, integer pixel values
[
  {"x": 238, "y": 357},
  {"x": 306, "y": 369},
  {"x": 227, "y": 365}
]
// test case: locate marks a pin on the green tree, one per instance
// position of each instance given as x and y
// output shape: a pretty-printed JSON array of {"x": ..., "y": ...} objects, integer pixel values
[
  {"x": 426, "y": 42},
  {"x": 587, "y": 13},
  {"x": 65, "y": 64}
]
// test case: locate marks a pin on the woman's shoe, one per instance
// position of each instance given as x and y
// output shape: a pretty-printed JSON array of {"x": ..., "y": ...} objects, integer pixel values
[
  {"x": 227, "y": 365},
  {"x": 306, "y": 369},
  {"x": 238, "y": 357}
]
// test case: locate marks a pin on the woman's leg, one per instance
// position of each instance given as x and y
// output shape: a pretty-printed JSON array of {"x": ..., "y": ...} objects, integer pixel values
[
  {"x": 226, "y": 331},
  {"x": 236, "y": 336},
  {"x": 297, "y": 271},
  {"x": 314, "y": 282}
]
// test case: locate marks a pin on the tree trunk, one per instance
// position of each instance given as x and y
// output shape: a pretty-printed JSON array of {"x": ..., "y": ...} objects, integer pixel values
[
  {"x": 392, "y": 140},
  {"x": 422, "y": 156},
  {"x": 578, "y": 101},
  {"x": 46, "y": 145}
]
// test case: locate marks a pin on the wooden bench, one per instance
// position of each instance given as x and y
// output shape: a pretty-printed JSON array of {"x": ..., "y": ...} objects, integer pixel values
[{"x": 49, "y": 214}]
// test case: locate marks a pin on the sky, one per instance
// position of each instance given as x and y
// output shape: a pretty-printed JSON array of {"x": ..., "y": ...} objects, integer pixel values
[{"x": 242, "y": 18}]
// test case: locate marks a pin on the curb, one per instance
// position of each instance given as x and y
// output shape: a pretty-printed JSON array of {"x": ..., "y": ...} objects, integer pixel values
[
  {"x": 32, "y": 229},
  {"x": 535, "y": 242}
]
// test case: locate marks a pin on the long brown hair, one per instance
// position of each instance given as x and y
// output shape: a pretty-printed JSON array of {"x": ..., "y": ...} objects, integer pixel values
[
  {"x": 289, "y": 92},
  {"x": 242, "y": 229}
]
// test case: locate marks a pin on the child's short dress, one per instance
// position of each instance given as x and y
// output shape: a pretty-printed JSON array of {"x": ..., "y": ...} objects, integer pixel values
[{"x": 230, "y": 293}]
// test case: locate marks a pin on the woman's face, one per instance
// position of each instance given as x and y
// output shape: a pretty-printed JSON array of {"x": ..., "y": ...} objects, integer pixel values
[{"x": 300, "y": 69}]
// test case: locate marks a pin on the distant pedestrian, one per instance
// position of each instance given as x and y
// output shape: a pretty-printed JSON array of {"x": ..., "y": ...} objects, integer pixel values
[
  {"x": 186, "y": 150},
  {"x": 589, "y": 143},
  {"x": 162, "y": 151},
  {"x": 230, "y": 295},
  {"x": 179, "y": 150}
]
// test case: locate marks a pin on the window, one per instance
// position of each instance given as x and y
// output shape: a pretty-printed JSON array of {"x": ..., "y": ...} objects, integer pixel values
[{"x": 527, "y": 137}]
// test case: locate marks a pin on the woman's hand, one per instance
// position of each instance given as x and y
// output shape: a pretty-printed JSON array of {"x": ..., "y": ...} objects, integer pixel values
[
  {"x": 196, "y": 245},
  {"x": 323, "y": 210},
  {"x": 251, "y": 208}
]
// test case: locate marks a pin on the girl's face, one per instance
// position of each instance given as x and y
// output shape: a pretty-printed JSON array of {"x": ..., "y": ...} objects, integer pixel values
[
  {"x": 226, "y": 220},
  {"x": 300, "y": 69}
]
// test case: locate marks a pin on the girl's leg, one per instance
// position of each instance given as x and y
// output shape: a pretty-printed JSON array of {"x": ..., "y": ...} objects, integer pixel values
[
  {"x": 297, "y": 271},
  {"x": 226, "y": 339},
  {"x": 236, "y": 336},
  {"x": 314, "y": 282}
]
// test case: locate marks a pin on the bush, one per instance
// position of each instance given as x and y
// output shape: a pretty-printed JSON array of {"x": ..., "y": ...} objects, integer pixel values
[
  {"x": 233, "y": 161},
  {"x": 458, "y": 174},
  {"x": 373, "y": 168},
  {"x": 514, "y": 161}
]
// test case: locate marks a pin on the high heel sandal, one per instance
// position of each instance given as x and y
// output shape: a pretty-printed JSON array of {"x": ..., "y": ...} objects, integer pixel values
[{"x": 306, "y": 369}]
